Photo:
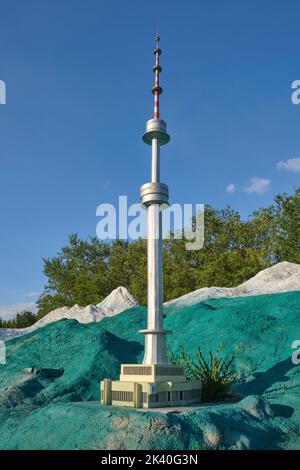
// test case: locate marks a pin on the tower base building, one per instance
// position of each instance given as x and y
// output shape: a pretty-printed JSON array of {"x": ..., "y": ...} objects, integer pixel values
[
  {"x": 150, "y": 386},
  {"x": 154, "y": 383}
]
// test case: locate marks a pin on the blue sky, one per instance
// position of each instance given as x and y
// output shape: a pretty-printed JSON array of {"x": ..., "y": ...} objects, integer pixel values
[{"x": 78, "y": 76}]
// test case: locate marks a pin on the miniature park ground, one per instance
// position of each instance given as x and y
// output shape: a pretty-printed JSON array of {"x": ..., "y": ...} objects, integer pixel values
[{"x": 55, "y": 406}]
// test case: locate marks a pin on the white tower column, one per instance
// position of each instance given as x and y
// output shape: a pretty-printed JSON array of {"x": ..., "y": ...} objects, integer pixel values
[
  {"x": 155, "y": 351},
  {"x": 153, "y": 195},
  {"x": 155, "y": 163}
]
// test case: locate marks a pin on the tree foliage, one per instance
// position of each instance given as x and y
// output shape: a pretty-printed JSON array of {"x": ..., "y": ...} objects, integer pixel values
[
  {"x": 78, "y": 274},
  {"x": 21, "y": 320}
]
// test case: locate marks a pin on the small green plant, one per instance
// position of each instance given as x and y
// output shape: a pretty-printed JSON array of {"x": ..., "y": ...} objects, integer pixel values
[{"x": 216, "y": 374}]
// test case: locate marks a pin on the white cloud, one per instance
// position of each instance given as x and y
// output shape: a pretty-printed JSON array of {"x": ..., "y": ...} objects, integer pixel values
[
  {"x": 230, "y": 188},
  {"x": 10, "y": 311},
  {"x": 292, "y": 164},
  {"x": 258, "y": 185},
  {"x": 32, "y": 294}
]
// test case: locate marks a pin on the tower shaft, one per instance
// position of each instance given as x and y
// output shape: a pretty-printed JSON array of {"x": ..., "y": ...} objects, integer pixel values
[
  {"x": 153, "y": 196},
  {"x": 155, "y": 163}
]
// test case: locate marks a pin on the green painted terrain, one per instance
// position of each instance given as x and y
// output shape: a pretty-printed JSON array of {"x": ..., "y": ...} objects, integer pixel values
[{"x": 50, "y": 385}]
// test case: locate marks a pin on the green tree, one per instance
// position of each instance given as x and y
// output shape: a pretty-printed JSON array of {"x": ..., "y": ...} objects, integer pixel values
[
  {"x": 287, "y": 218},
  {"x": 85, "y": 271},
  {"x": 21, "y": 320},
  {"x": 128, "y": 267},
  {"x": 78, "y": 274}
]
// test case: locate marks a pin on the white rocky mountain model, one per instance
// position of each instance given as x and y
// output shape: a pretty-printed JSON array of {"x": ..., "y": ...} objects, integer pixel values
[
  {"x": 116, "y": 302},
  {"x": 282, "y": 277}
]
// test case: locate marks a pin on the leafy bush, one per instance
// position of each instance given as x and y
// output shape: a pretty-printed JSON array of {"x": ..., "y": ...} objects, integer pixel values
[{"x": 216, "y": 374}]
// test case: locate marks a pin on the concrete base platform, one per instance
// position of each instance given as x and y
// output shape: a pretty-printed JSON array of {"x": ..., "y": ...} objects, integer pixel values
[{"x": 150, "y": 386}]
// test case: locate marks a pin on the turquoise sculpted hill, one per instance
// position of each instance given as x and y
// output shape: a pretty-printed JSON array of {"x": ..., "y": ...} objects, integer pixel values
[{"x": 50, "y": 385}]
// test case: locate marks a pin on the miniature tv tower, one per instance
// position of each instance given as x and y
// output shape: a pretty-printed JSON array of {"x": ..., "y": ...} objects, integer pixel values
[
  {"x": 154, "y": 383},
  {"x": 153, "y": 196}
]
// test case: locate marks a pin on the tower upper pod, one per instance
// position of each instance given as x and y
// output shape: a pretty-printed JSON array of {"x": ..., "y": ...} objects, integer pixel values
[{"x": 156, "y": 128}]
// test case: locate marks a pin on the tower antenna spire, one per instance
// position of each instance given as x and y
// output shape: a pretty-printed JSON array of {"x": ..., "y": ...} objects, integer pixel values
[{"x": 157, "y": 89}]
